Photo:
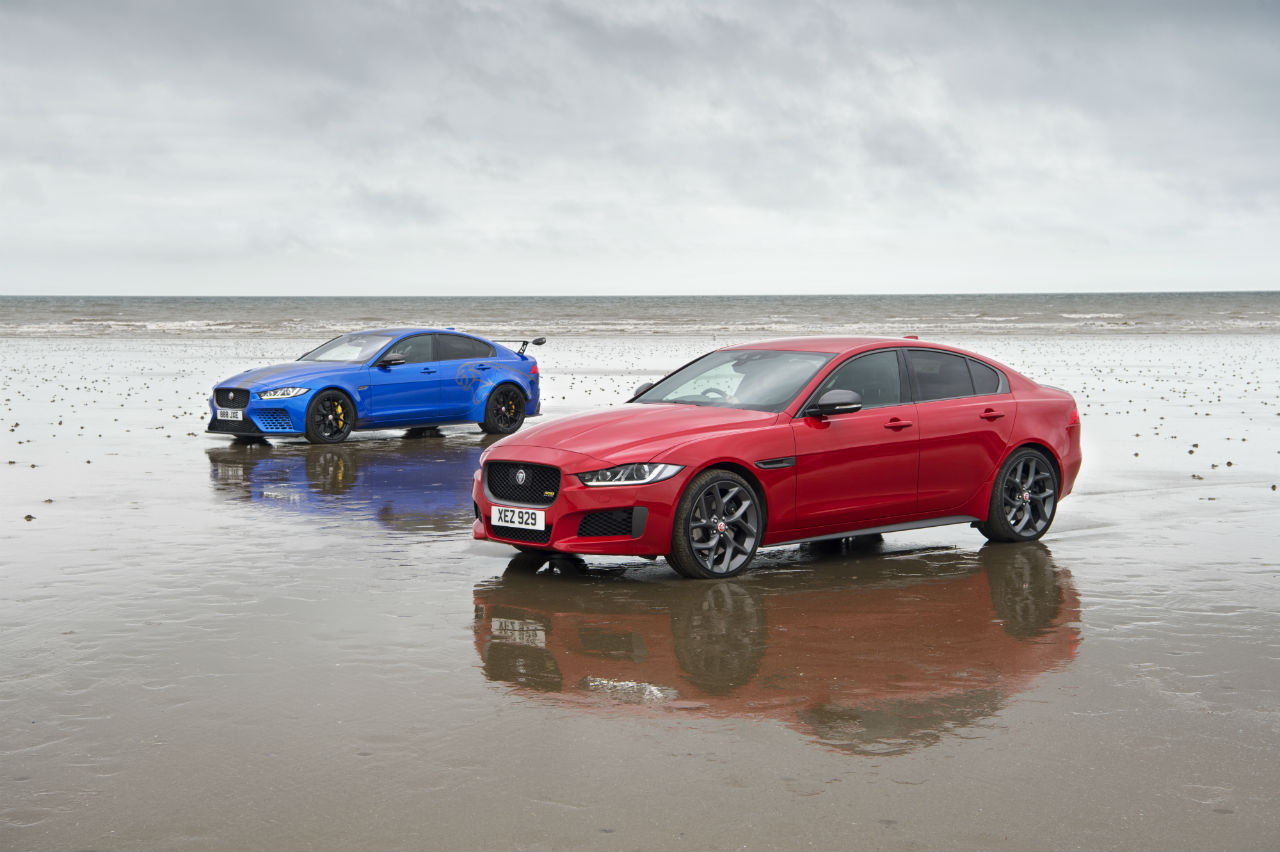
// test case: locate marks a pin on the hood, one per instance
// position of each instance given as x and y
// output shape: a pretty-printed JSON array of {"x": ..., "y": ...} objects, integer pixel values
[
  {"x": 294, "y": 372},
  {"x": 636, "y": 432}
]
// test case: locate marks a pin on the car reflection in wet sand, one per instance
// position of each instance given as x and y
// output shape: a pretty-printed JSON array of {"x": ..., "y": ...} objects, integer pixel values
[
  {"x": 869, "y": 653},
  {"x": 415, "y": 484}
]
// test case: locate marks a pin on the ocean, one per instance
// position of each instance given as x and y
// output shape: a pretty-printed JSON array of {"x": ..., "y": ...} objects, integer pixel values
[{"x": 683, "y": 316}]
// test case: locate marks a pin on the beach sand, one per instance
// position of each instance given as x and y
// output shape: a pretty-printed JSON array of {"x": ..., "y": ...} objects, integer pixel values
[{"x": 209, "y": 645}]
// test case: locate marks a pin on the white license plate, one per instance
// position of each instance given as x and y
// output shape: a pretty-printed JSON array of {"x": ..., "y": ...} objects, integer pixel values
[
  {"x": 525, "y": 519},
  {"x": 230, "y": 414},
  {"x": 520, "y": 632}
]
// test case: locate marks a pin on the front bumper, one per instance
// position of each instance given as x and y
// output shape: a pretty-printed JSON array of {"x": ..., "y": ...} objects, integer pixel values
[
  {"x": 262, "y": 418},
  {"x": 619, "y": 520}
]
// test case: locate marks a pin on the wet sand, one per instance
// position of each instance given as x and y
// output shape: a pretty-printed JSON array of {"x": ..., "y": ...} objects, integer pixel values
[{"x": 209, "y": 645}]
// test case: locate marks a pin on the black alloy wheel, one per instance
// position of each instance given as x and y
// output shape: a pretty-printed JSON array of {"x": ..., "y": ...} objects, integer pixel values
[
  {"x": 330, "y": 417},
  {"x": 1024, "y": 499},
  {"x": 719, "y": 523},
  {"x": 504, "y": 412}
]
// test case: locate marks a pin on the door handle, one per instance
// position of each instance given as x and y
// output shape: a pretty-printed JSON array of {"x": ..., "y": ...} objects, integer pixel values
[
  {"x": 896, "y": 424},
  {"x": 428, "y": 369},
  {"x": 991, "y": 414},
  {"x": 482, "y": 366}
]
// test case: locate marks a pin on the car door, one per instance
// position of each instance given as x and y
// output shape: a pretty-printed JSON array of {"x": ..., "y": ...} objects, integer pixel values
[
  {"x": 466, "y": 365},
  {"x": 409, "y": 392},
  {"x": 965, "y": 414},
  {"x": 858, "y": 468}
]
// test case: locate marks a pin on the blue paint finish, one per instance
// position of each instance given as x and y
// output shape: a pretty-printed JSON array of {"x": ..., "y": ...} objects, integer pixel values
[{"x": 416, "y": 389}]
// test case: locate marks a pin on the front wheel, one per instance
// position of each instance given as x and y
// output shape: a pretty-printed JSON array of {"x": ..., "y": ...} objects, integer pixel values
[
  {"x": 330, "y": 417},
  {"x": 719, "y": 522},
  {"x": 1023, "y": 500},
  {"x": 504, "y": 412}
]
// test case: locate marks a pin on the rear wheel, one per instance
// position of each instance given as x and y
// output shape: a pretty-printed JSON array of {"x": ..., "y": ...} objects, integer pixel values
[
  {"x": 504, "y": 412},
  {"x": 1023, "y": 500},
  {"x": 719, "y": 522},
  {"x": 330, "y": 417}
]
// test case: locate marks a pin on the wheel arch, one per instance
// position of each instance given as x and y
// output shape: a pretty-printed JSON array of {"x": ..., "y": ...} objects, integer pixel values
[
  {"x": 1044, "y": 450},
  {"x": 506, "y": 380},
  {"x": 482, "y": 404},
  {"x": 980, "y": 504},
  {"x": 752, "y": 480},
  {"x": 483, "y": 398},
  {"x": 349, "y": 393}
]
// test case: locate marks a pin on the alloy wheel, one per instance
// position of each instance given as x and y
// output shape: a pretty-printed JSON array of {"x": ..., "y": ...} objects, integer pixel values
[{"x": 724, "y": 526}]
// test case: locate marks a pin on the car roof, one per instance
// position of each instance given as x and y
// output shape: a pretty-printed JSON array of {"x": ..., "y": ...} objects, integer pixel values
[
  {"x": 396, "y": 332},
  {"x": 832, "y": 344}
]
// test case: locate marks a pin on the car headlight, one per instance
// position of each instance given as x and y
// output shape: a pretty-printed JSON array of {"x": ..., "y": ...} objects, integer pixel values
[
  {"x": 282, "y": 393},
  {"x": 640, "y": 473}
]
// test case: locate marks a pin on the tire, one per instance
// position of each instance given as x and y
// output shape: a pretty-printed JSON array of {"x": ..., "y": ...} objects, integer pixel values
[
  {"x": 719, "y": 522},
  {"x": 1026, "y": 591},
  {"x": 330, "y": 417},
  {"x": 504, "y": 411},
  {"x": 528, "y": 561},
  {"x": 720, "y": 635},
  {"x": 331, "y": 470},
  {"x": 1024, "y": 498}
]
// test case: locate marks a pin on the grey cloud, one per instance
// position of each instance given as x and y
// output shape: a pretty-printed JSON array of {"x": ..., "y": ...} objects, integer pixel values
[{"x": 492, "y": 123}]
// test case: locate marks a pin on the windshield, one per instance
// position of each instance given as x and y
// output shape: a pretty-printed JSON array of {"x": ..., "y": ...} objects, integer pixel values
[
  {"x": 758, "y": 379},
  {"x": 349, "y": 348}
]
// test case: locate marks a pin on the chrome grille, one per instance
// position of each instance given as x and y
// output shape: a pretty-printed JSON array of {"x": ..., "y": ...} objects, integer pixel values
[
  {"x": 231, "y": 397},
  {"x": 523, "y": 484}
]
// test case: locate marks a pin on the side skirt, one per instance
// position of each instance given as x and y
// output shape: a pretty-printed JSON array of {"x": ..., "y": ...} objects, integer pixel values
[{"x": 887, "y": 528}]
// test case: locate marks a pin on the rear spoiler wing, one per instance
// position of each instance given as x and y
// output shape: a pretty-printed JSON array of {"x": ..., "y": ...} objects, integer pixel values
[{"x": 524, "y": 344}]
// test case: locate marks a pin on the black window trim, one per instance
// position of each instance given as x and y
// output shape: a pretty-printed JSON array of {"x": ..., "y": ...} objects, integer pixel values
[
  {"x": 904, "y": 388},
  {"x": 915, "y": 388},
  {"x": 383, "y": 353},
  {"x": 493, "y": 351},
  {"x": 1002, "y": 386}
]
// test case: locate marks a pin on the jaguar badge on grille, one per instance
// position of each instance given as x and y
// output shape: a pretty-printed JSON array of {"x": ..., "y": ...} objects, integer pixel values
[{"x": 522, "y": 476}]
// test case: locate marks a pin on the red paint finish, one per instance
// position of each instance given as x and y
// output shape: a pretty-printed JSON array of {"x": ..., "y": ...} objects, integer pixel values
[
  {"x": 908, "y": 458},
  {"x": 856, "y": 470},
  {"x": 961, "y": 445},
  {"x": 874, "y": 654}
]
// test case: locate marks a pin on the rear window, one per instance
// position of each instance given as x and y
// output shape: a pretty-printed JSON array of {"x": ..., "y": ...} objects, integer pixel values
[
  {"x": 939, "y": 375},
  {"x": 985, "y": 379},
  {"x": 455, "y": 347}
]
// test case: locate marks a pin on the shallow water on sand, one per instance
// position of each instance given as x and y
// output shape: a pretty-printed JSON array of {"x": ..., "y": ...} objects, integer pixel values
[{"x": 213, "y": 645}]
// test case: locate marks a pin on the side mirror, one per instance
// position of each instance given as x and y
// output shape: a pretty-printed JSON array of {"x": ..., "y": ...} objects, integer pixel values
[
  {"x": 642, "y": 388},
  {"x": 390, "y": 361},
  {"x": 538, "y": 341},
  {"x": 835, "y": 402}
]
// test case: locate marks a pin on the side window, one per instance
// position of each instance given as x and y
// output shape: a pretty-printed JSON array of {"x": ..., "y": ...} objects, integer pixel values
[
  {"x": 414, "y": 350},
  {"x": 874, "y": 376},
  {"x": 985, "y": 379},
  {"x": 939, "y": 375},
  {"x": 455, "y": 347}
]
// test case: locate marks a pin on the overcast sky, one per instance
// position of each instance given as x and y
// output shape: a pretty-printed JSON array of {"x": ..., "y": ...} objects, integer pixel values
[{"x": 516, "y": 147}]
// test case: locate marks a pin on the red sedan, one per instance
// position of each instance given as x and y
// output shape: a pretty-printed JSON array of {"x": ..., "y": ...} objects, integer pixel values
[
  {"x": 786, "y": 441},
  {"x": 875, "y": 654}
]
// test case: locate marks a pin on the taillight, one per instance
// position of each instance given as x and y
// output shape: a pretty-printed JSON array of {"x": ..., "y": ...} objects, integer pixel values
[
  {"x": 534, "y": 370},
  {"x": 1075, "y": 418}
]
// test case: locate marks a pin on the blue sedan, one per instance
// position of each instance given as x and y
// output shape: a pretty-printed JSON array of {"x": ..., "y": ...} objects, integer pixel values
[{"x": 393, "y": 378}]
